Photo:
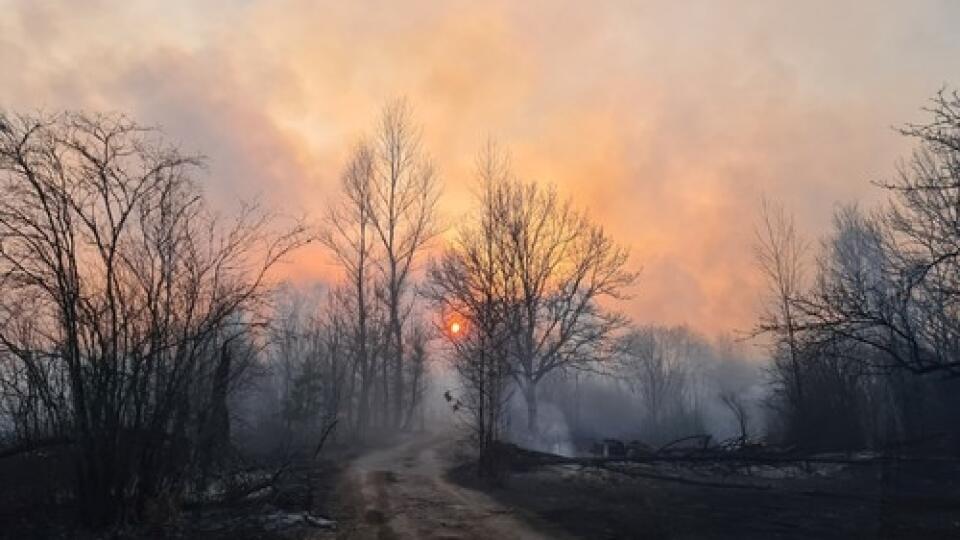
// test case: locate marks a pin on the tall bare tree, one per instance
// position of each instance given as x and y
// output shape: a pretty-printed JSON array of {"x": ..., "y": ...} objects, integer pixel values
[
  {"x": 780, "y": 252},
  {"x": 349, "y": 235},
  {"x": 402, "y": 208},
  {"x": 470, "y": 286},
  {"x": 555, "y": 266},
  {"x": 561, "y": 265}
]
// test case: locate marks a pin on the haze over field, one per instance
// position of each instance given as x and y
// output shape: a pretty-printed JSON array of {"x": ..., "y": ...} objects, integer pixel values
[{"x": 667, "y": 122}]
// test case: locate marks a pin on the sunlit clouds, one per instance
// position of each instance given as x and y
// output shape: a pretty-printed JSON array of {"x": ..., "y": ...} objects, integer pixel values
[{"x": 666, "y": 123}]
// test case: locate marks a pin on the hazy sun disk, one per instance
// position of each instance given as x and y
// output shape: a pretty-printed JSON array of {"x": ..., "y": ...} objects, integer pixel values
[{"x": 455, "y": 328}]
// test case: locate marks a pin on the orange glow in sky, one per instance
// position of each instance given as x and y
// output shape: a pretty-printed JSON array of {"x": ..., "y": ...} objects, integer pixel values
[{"x": 665, "y": 121}]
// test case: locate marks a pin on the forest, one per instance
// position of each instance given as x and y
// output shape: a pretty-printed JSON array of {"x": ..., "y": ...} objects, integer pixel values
[{"x": 157, "y": 377}]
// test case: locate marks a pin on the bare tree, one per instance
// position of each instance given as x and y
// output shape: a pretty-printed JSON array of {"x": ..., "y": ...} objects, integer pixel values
[
  {"x": 884, "y": 303},
  {"x": 469, "y": 285},
  {"x": 349, "y": 236},
  {"x": 132, "y": 283},
  {"x": 560, "y": 265},
  {"x": 377, "y": 232},
  {"x": 847, "y": 342},
  {"x": 402, "y": 201},
  {"x": 780, "y": 252},
  {"x": 661, "y": 366},
  {"x": 905, "y": 308},
  {"x": 552, "y": 265}
]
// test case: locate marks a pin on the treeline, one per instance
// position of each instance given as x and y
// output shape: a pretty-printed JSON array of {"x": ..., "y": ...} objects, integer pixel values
[
  {"x": 309, "y": 379},
  {"x": 866, "y": 348}
]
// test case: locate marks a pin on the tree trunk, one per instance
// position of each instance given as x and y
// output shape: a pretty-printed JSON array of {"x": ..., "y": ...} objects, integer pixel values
[
  {"x": 385, "y": 413},
  {"x": 407, "y": 422},
  {"x": 215, "y": 429},
  {"x": 530, "y": 396},
  {"x": 398, "y": 368}
]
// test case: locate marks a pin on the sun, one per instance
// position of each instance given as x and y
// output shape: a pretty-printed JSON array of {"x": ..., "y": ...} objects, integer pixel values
[{"x": 455, "y": 326}]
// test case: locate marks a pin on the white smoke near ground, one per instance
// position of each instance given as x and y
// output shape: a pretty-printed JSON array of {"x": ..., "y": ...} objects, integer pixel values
[
  {"x": 553, "y": 435},
  {"x": 577, "y": 410}
]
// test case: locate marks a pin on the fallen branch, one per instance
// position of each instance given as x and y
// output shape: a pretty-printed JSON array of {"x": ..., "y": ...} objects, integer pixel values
[
  {"x": 704, "y": 441},
  {"x": 323, "y": 438},
  {"x": 242, "y": 493}
]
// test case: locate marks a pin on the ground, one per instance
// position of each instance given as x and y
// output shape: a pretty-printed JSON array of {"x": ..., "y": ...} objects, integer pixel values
[
  {"x": 418, "y": 489},
  {"x": 403, "y": 492},
  {"x": 425, "y": 486},
  {"x": 719, "y": 501}
]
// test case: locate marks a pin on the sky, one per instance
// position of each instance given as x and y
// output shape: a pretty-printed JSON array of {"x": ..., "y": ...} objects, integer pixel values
[{"x": 665, "y": 121}]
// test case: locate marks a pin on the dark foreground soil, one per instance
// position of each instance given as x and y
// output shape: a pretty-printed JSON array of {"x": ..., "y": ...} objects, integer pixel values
[
  {"x": 913, "y": 500},
  {"x": 35, "y": 502},
  {"x": 423, "y": 487}
]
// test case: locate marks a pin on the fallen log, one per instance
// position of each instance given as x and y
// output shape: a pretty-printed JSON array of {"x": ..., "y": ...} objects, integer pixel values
[{"x": 719, "y": 456}]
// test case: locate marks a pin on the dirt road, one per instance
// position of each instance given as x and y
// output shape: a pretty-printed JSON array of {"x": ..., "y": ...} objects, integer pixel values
[{"x": 401, "y": 492}]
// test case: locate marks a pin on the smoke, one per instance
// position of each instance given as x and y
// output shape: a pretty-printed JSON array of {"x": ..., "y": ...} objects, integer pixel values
[
  {"x": 577, "y": 409},
  {"x": 667, "y": 136},
  {"x": 554, "y": 435}
]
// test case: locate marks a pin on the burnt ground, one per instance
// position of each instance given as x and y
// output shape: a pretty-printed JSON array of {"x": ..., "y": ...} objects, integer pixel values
[
  {"x": 424, "y": 487},
  {"x": 876, "y": 499},
  {"x": 35, "y": 502},
  {"x": 394, "y": 489}
]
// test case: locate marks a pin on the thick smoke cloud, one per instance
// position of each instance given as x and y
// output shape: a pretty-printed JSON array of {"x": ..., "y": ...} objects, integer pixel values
[{"x": 668, "y": 136}]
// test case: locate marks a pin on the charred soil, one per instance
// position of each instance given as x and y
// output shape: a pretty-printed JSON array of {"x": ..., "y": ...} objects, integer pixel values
[{"x": 723, "y": 499}]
